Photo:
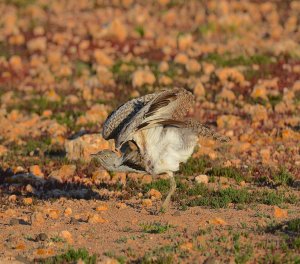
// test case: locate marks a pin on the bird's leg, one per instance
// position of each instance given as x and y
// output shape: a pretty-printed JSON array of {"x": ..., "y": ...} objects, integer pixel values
[{"x": 166, "y": 202}]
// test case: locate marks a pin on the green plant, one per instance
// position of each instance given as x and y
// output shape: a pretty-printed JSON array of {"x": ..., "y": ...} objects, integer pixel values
[
  {"x": 228, "y": 172},
  {"x": 71, "y": 256},
  {"x": 155, "y": 227}
]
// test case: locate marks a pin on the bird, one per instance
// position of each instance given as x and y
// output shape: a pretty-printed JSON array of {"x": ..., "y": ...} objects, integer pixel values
[{"x": 154, "y": 135}]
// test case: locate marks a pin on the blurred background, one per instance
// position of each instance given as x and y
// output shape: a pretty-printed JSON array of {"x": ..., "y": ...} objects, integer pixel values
[{"x": 65, "y": 65}]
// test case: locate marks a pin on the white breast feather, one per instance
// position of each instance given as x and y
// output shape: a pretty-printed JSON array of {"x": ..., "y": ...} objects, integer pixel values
[{"x": 166, "y": 148}]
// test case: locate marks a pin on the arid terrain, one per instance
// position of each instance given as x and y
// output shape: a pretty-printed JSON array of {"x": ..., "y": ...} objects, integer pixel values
[{"x": 65, "y": 65}]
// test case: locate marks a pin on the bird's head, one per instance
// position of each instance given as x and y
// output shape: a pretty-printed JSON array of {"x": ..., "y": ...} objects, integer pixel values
[{"x": 108, "y": 158}]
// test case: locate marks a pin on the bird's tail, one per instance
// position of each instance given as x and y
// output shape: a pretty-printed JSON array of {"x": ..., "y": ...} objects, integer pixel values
[{"x": 205, "y": 131}]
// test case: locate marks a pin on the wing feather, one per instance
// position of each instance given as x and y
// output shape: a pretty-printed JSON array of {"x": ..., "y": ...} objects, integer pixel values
[{"x": 166, "y": 105}]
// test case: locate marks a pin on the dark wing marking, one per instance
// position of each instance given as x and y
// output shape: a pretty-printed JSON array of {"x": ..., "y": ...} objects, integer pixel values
[
  {"x": 123, "y": 115},
  {"x": 166, "y": 105}
]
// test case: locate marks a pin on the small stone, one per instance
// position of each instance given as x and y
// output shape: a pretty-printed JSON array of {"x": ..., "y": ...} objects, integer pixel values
[
  {"x": 12, "y": 198},
  {"x": 3, "y": 150},
  {"x": 41, "y": 237},
  {"x": 163, "y": 66},
  {"x": 36, "y": 170},
  {"x": 64, "y": 173},
  {"x": 193, "y": 66},
  {"x": 199, "y": 90},
  {"x": 188, "y": 246},
  {"x": 83, "y": 146},
  {"x": 101, "y": 175},
  {"x": 147, "y": 203},
  {"x": 217, "y": 221},
  {"x": 202, "y": 179},
  {"x": 146, "y": 179},
  {"x": 181, "y": 58},
  {"x": 67, "y": 236},
  {"x": 121, "y": 205},
  {"x": 280, "y": 213},
  {"x": 185, "y": 41},
  {"x": 223, "y": 180},
  {"x": 27, "y": 201},
  {"x": 141, "y": 77},
  {"x": 101, "y": 208},
  {"x": 53, "y": 214},
  {"x": 95, "y": 219},
  {"x": 68, "y": 211},
  {"x": 154, "y": 194}
]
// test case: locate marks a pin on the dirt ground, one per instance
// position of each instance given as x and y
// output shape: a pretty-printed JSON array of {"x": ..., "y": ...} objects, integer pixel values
[{"x": 65, "y": 65}]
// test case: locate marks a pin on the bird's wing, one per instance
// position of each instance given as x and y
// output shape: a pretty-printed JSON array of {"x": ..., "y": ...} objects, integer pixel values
[
  {"x": 197, "y": 128},
  {"x": 122, "y": 115},
  {"x": 165, "y": 105}
]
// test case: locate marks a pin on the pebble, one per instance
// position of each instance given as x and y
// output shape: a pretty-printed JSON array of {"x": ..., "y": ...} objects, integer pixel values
[
  {"x": 68, "y": 211},
  {"x": 27, "y": 201},
  {"x": 41, "y": 237},
  {"x": 202, "y": 179},
  {"x": 102, "y": 208},
  {"x": 12, "y": 198},
  {"x": 147, "y": 203},
  {"x": 67, "y": 236}
]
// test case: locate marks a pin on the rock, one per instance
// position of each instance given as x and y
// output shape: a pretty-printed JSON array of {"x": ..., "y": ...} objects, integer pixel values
[
  {"x": 163, "y": 66},
  {"x": 217, "y": 221},
  {"x": 64, "y": 173},
  {"x": 147, "y": 179},
  {"x": 53, "y": 214},
  {"x": 67, "y": 236},
  {"x": 202, "y": 179},
  {"x": 227, "y": 121},
  {"x": 37, "y": 219},
  {"x": 228, "y": 75},
  {"x": 118, "y": 30},
  {"x": 188, "y": 246},
  {"x": 181, "y": 58},
  {"x": 36, "y": 170},
  {"x": 121, "y": 205},
  {"x": 185, "y": 41},
  {"x": 147, "y": 203},
  {"x": 101, "y": 176},
  {"x": 68, "y": 211},
  {"x": 41, "y": 237},
  {"x": 102, "y": 207},
  {"x": 259, "y": 91},
  {"x": 227, "y": 94},
  {"x": 3, "y": 150},
  {"x": 37, "y": 44},
  {"x": 199, "y": 90},
  {"x": 12, "y": 198},
  {"x": 95, "y": 219},
  {"x": 193, "y": 66},
  {"x": 142, "y": 77},
  {"x": 154, "y": 194},
  {"x": 27, "y": 201},
  {"x": 280, "y": 213},
  {"x": 265, "y": 154},
  {"x": 82, "y": 147},
  {"x": 96, "y": 114},
  {"x": 102, "y": 58}
]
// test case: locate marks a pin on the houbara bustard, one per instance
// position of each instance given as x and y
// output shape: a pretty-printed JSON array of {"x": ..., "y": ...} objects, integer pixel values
[{"x": 153, "y": 135}]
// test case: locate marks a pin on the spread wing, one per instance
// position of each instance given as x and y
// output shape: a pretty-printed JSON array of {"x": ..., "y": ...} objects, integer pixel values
[
  {"x": 123, "y": 115},
  {"x": 166, "y": 106}
]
